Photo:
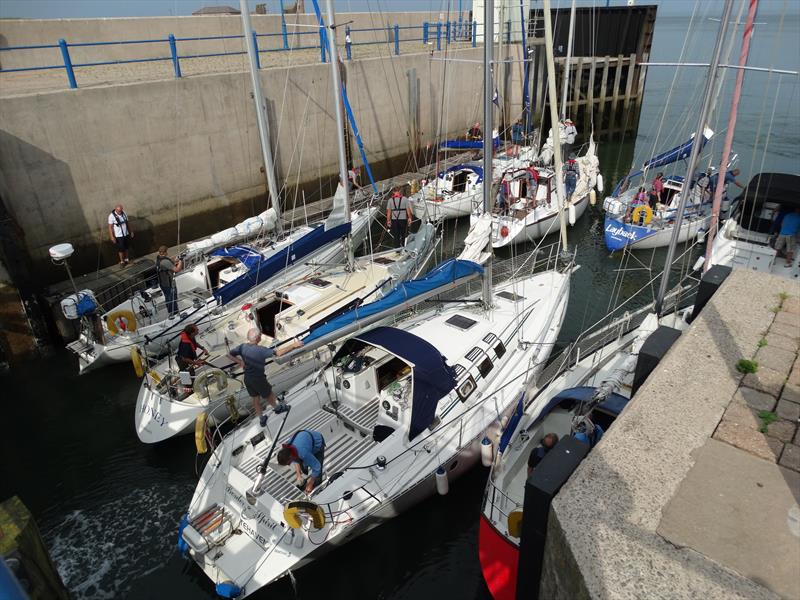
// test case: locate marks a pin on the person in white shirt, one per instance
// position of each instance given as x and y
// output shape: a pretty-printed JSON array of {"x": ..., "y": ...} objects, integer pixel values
[
  {"x": 120, "y": 233},
  {"x": 353, "y": 175}
]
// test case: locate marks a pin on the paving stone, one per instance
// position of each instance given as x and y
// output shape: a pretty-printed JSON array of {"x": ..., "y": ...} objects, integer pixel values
[
  {"x": 740, "y": 413},
  {"x": 791, "y": 305},
  {"x": 796, "y": 440},
  {"x": 754, "y": 399},
  {"x": 778, "y": 359},
  {"x": 765, "y": 380},
  {"x": 794, "y": 375},
  {"x": 791, "y": 393},
  {"x": 778, "y": 340},
  {"x": 783, "y": 319},
  {"x": 788, "y": 410},
  {"x": 749, "y": 440},
  {"x": 782, "y": 430},
  {"x": 790, "y": 458}
]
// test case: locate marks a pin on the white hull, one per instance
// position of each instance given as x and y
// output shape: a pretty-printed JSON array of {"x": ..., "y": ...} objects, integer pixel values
[
  {"x": 450, "y": 207},
  {"x": 740, "y": 248},
  {"x": 689, "y": 229},
  {"x": 533, "y": 226},
  {"x": 269, "y": 549}
]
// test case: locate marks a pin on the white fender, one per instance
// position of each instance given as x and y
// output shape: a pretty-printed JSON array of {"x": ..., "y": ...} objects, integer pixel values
[
  {"x": 572, "y": 217},
  {"x": 592, "y": 197},
  {"x": 442, "y": 484},
  {"x": 487, "y": 451},
  {"x": 599, "y": 183}
]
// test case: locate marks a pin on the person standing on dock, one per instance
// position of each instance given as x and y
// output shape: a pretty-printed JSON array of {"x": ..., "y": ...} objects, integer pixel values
[
  {"x": 165, "y": 270},
  {"x": 120, "y": 233},
  {"x": 305, "y": 450},
  {"x": 398, "y": 217},
  {"x": 252, "y": 358}
]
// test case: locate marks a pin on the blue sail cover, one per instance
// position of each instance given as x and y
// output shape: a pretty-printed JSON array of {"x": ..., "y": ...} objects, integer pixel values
[
  {"x": 247, "y": 256},
  {"x": 447, "y": 272},
  {"x": 508, "y": 432},
  {"x": 265, "y": 268},
  {"x": 433, "y": 377},
  {"x": 467, "y": 144},
  {"x": 681, "y": 152}
]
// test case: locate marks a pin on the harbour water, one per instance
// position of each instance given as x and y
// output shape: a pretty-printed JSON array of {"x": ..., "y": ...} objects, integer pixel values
[{"x": 109, "y": 506}]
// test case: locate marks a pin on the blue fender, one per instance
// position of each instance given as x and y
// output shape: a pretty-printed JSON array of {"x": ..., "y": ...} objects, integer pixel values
[
  {"x": 228, "y": 589},
  {"x": 183, "y": 547}
]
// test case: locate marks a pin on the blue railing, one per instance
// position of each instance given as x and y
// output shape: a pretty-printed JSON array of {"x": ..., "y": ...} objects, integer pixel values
[{"x": 429, "y": 34}]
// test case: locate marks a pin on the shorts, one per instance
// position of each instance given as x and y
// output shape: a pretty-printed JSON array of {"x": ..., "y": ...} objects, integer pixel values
[
  {"x": 784, "y": 241},
  {"x": 258, "y": 386},
  {"x": 122, "y": 243}
]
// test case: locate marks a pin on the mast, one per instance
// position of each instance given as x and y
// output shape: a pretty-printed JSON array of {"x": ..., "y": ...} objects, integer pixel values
[
  {"x": 488, "y": 135},
  {"x": 565, "y": 83},
  {"x": 337, "y": 100},
  {"x": 695, "y": 154},
  {"x": 726, "y": 147},
  {"x": 551, "y": 92},
  {"x": 261, "y": 113}
]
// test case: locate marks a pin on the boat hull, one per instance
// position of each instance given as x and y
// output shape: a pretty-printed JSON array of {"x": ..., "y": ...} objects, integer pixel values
[
  {"x": 459, "y": 205},
  {"x": 531, "y": 228},
  {"x": 499, "y": 558},
  {"x": 619, "y": 235}
]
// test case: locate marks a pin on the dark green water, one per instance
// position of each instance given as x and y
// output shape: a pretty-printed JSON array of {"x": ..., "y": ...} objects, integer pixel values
[{"x": 109, "y": 506}]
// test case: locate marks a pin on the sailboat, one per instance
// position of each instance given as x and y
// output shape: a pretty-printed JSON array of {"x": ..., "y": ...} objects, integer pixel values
[
  {"x": 531, "y": 215},
  {"x": 402, "y": 410},
  {"x": 220, "y": 278},
  {"x": 588, "y": 387}
]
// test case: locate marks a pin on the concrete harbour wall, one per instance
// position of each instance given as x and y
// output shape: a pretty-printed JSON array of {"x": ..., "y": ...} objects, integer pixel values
[{"x": 175, "y": 149}]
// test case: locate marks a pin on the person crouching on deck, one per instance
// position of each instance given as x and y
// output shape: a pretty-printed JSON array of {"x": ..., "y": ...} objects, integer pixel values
[{"x": 306, "y": 451}]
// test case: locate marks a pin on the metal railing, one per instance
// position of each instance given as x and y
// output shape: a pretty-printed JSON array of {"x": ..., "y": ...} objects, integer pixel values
[{"x": 429, "y": 33}]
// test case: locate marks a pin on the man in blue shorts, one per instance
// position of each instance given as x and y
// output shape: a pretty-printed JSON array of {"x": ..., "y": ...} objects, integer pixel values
[
  {"x": 787, "y": 236},
  {"x": 253, "y": 359}
]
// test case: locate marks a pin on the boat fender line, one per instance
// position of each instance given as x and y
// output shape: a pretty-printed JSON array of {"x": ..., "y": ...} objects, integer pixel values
[
  {"x": 182, "y": 546},
  {"x": 648, "y": 214},
  {"x": 293, "y": 511},
  {"x": 486, "y": 452},
  {"x": 592, "y": 197},
  {"x": 228, "y": 589},
  {"x": 200, "y": 433},
  {"x": 515, "y": 523},
  {"x": 442, "y": 484},
  {"x": 126, "y": 319},
  {"x": 136, "y": 359},
  {"x": 202, "y": 381},
  {"x": 599, "y": 183},
  {"x": 572, "y": 215}
]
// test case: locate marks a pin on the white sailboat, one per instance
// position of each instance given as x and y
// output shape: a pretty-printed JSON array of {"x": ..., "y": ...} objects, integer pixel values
[
  {"x": 402, "y": 410},
  {"x": 591, "y": 384}
]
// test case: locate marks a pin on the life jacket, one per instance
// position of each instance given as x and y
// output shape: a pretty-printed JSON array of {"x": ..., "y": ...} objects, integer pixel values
[
  {"x": 185, "y": 339},
  {"x": 122, "y": 222},
  {"x": 395, "y": 207}
]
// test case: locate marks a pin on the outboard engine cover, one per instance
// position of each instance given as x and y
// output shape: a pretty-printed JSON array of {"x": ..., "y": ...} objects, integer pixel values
[{"x": 653, "y": 350}]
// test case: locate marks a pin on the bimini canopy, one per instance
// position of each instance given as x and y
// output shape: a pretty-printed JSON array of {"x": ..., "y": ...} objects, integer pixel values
[
  {"x": 263, "y": 268},
  {"x": 782, "y": 188},
  {"x": 433, "y": 377},
  {"x": 464, "y": 167},
  {"x": 446, "y": 273}
]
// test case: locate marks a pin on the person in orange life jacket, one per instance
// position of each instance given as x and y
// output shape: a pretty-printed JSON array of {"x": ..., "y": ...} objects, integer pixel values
[
  {"x": 252, "y": 358},
  {"x": 398, "y": 216},
  {"x": 306, "y": 452},
  {"x": 504, "y": 194},
  {"x": 186, "y": 356},
  {"x": 533, "y": 185},
  {"x": 571, "y": 173},
  {"x": 120, "y": 233}
]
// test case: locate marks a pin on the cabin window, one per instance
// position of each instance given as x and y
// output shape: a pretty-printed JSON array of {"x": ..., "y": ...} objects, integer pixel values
[
  {"x": 458, "y": 370},
  {"x": 489, "y": 338},
  {"x": 465, "y": 390},
  {"x": 461, "y": 322},
  {"x": 500, "y": 349},
  {"x": 510, "y": 296},
  {"x": 485, "y": 367},
  {"x": 320, "y": 283},
  {"x": 266, "y": 314}
]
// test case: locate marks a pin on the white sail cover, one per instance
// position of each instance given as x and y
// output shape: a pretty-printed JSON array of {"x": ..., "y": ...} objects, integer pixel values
[
  {"x": 477, "y": 240},
  {"x": 338, "y": 214}
]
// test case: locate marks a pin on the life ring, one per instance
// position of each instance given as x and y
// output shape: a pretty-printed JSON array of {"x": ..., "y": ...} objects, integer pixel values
[
  {"x": 293, "y": 510},
  {"x": 648, "y": 214},
  {"x": 206, "y": 378},
  {"x": 126, "y": 318},
  {"x": 200, "y": 433},
  {"x": 515, "y": 523},
  {"x": 136, "y": 359}
]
